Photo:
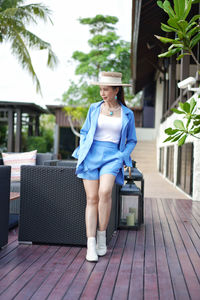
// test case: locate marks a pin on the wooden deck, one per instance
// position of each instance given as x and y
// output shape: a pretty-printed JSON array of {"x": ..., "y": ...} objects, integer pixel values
[{"x": 160, "y": 261}]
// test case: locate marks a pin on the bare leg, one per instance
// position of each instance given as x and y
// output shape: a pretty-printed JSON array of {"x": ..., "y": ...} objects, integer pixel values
[
  {"x": 91, "y": 213},
  {"x": 105, "y": 200}
]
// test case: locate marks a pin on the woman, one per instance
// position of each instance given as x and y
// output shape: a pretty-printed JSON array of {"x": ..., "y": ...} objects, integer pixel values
[{"x": 107, "y": 140}]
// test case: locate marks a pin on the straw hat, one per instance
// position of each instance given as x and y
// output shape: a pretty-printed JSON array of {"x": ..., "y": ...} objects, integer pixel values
[{"x": 111, "y": 79}]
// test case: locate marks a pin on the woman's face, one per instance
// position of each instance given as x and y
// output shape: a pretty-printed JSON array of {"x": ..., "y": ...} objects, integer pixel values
[{"x": 108, "y": 93}]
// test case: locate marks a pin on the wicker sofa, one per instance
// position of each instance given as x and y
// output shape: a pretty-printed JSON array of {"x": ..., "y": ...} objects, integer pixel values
[
  {"x": 14, "y": 205},
  {"x": 4, "y": 203},
  {"x": 53, "y": 204},
  {"x": 40, "y": 159}
]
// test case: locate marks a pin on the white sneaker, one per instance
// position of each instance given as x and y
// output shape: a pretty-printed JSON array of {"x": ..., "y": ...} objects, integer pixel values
[
  {"x": 101, "y": 243},
  {"x": 91, "y": 249}
]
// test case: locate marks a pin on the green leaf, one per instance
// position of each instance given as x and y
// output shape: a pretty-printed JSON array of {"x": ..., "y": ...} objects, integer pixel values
[
  {"x": 196, "y": 130},
  {"x": 179, "y": 124},
  {"x": 173, "y": 46},
  {"x": 160, "y": 4},
  {"x": 180, "y": 105},
  {"x": 177, "y": 111},
  {"x": 167, "y": 40},
  {"x": 182, "y": 55},
  {"x": 182, "y": 140},
  {"x": 186, "y": 107},
  {"x": 183, "y": 24},
  {"x": 170, "y": 52},
  {"x": 171, "y": 131},
  {"x": 173, "y": 23},
  {"x": 188, "y": 122},
  {"x": 196, "y": 17},
  {"x": 196, "y": 123},
  {"x": 193, "y": 31},
  {"x": 167, "y": 28},
  {"x": 168, "y": 139},
  {"x": 195, "y": 40},
  {"x": 188, "y": 8},
  {"x": 192, "y": 105},
  {"x": 179, "y": 7},
  {"x": 197, "y": 117},
  {"x": 177, "y": 137},
  {"x": 190, "y": 26},
  {"x": 168, "y": 9}
]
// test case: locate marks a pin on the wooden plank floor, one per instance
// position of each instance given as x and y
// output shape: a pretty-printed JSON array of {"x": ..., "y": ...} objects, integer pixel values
[{"x": 160, "y": 261}]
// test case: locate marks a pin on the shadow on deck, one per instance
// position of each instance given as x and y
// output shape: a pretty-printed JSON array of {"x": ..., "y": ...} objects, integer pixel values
[{"x": 160, "y": 261}]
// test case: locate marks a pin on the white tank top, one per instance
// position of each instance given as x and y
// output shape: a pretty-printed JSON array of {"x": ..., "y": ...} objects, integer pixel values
[{"x": 108, "y": 129}]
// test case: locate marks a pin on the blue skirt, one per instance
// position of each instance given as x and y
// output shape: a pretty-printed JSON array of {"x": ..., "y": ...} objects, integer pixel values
[{"x": 102, "y": 158}]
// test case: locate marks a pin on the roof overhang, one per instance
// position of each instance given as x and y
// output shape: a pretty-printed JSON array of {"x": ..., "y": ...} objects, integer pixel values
[{"x": 25, "y": 106}]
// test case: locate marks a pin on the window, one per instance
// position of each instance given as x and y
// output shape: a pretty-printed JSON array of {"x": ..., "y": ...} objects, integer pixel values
[
  {"x": 161, "y": 161},
  {"x": 170, "y": 163},
  {"x": 185, "y": 168}
]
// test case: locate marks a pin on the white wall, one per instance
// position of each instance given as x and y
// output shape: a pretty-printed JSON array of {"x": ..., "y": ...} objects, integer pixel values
[
  {"x": 158, "y": 103},
  {"x": 145, "y": 134}
]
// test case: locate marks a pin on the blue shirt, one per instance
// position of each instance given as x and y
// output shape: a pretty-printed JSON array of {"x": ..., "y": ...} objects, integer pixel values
[{"x": 127, "y": 141}]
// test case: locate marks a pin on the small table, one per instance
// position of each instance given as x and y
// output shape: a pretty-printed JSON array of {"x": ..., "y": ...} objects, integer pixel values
[{"x": 13, "y": 218}]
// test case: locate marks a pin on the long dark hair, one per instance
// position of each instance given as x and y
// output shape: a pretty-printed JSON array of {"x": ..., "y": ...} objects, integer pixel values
[{"x": 120, "y": 94}]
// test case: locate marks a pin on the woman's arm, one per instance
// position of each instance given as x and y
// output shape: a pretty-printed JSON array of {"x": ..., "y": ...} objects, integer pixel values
[
  {"x": 83, "y": 132},
  {"x": 131, "y": 141},
  {"x": 86, "y": 126}
]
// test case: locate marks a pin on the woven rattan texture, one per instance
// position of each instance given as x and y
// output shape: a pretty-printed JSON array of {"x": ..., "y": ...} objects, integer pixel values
[
  {"x": 4, "y": 203},
  {"x": 52, "y": 206}
]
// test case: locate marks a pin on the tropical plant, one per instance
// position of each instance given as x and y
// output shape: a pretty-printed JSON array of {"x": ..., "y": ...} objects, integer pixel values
[
  {"x": 36, "y": 143},
  {"x": 14, "y": 16},
  {"x": 187, "y": 36},
  {"x": 108, "y": 53},
  {"x": 187, "y": 32},
  {"x": 182, "y": 131},
  {"x": 47, "y": 124}
]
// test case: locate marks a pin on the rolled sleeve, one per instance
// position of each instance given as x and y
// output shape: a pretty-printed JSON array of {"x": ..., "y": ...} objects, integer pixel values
[
  {"x": 83, "y": 132},
  {"x": 131, "y": 141}
]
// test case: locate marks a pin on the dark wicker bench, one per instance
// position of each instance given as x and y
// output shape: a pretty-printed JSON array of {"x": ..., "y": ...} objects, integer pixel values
[
  {"x": 53, "y": 204},
  {"x": 4, "y": 203}
]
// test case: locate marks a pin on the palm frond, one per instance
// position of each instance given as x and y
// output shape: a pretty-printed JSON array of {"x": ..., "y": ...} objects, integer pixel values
[
  {"x": 28, "y": 13},
  {"x": 19, "y": 49},
  {"x": 31, "y": 12},
  {"x": 14, "y": 16},
  {"x": 34, "y": 42},
  {"x": 8, "y": 24}
]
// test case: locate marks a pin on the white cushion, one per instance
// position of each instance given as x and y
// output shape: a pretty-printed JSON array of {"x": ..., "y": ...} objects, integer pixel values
[{"x": 16, "y": 160}]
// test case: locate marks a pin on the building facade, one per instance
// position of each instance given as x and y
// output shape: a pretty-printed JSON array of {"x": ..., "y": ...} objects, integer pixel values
[{"x": 178, "y": 164}]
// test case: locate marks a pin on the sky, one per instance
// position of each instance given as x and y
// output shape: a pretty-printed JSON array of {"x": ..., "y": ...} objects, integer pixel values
[{"x": 66, "y": 35}]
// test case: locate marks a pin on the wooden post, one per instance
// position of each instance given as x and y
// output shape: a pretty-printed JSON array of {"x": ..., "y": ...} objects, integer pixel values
[
  {"x": 185, "y": 67},
  {"x": 37, "y": 125},
  {"x": 10, "y": 144},
  {"x": 18, "y": 131},
  {"x": 172, "y": 80},
  {"x": 185, "y": 71},
  {"x": 132, "y": 31},
  {"x": 30, "y": 126}
]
